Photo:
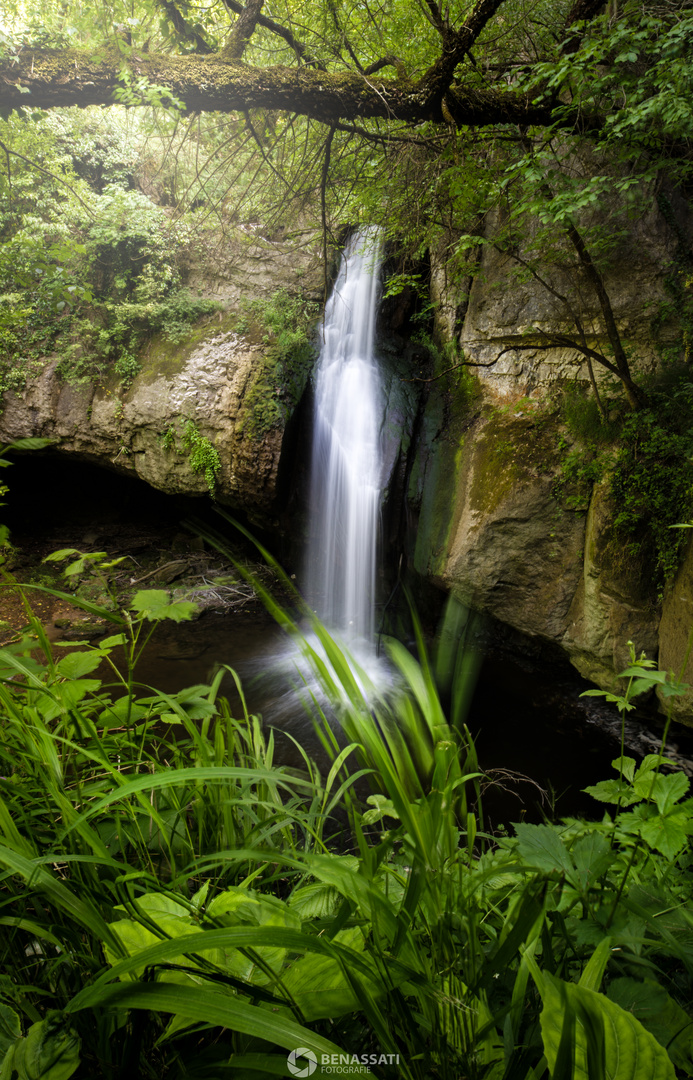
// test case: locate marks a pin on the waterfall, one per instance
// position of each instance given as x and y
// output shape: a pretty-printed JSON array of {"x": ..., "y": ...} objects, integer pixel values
[{"x": 346, "y": 462}]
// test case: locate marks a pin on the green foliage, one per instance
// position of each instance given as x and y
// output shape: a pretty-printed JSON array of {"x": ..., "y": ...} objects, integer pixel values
[
  {"x": 647, "y": 457},
  {"x": 176, "y": 900},
  {"x": 168, "y": 439},
  {"x": 283, "y": 323},
  {"x": 652, "y": 481},
  {"x": 592, "y": 447},
  {"x": 86, "y": 266},
  {"x": 126, "y": 366},
  {"x": 203, "y": 456}
]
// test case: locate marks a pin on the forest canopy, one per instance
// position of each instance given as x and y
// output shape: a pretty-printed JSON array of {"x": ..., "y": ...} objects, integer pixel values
[
  {"x": 391, "y": 85},
  {"x": 427, "y": 118}
]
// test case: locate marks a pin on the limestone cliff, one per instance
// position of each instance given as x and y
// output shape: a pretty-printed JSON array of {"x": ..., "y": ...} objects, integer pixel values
[
  {"x": 493, "y": 525},
  {"x": 221, "y": 379}
]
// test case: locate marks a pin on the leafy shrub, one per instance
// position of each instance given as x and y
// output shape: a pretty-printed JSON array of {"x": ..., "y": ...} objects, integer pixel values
[
  {"x": 652, "y": 481},
  {"x": 89, "y": 265}
]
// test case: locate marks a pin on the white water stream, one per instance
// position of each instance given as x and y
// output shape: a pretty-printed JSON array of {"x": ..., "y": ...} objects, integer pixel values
[{"x": 346, "y": 467}]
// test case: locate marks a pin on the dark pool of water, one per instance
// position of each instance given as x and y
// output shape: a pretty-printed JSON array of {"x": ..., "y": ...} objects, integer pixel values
[{"x": 525, "y": 720}]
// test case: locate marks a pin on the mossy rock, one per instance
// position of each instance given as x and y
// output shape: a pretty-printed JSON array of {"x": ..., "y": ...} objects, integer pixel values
[{"x": 162, "y": 357}]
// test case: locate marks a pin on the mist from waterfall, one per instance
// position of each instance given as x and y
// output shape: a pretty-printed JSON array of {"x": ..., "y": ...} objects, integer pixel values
[{"x": 346, "y": 466}]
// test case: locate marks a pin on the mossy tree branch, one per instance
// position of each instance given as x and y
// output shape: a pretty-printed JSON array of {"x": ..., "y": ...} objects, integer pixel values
[{"x": 55, "y": 78}]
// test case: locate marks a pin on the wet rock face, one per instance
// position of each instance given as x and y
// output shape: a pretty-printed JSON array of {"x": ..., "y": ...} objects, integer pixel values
[
  {"x": 492, "y": 527},
  {"x": 611, "y": 606},
  {"x": 228, "y": 387},
  {"x": 676, "y": 635},
  {"x": 143, "y": 430},
  {"x": 491, "y": 315}
]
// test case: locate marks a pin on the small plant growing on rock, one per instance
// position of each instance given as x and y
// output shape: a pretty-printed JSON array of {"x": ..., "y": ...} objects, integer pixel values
[{"x": 204, "y": 458}]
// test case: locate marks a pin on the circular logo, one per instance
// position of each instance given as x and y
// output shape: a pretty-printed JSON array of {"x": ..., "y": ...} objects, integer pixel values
[{"x": 302, "y": 1062}]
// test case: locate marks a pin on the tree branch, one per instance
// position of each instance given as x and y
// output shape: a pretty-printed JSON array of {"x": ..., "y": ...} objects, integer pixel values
[
  {"x": 553, "y": 341},
  {"x": 581, "y": 11},
  {"x": 54, "y": 78},
  {"x": 436, "y": 81},
  {"x": 183, "y": 28},
  {"x": 283, "y": 32},
  {"x": 242, "y": 31}
]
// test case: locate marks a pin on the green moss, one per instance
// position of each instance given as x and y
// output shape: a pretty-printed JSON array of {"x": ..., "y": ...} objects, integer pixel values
[
  {"x": 166, "y": 358},
  {"x": 276, "y": 390},
  {"x": 510, "y": 450},
  {"x": 495, "y": 468},
  {"x": 282, "y": 324},
  {"x": 439, "y": 486}
]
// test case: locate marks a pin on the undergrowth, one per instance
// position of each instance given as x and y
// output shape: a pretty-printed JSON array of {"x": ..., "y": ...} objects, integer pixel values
[
  {"x": 647, "y": 458},
  {"x": 174, "y": 903}
]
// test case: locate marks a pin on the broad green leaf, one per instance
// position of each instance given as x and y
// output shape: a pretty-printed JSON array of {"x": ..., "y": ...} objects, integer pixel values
[
  {"x": 541, "y": 846},
  {"x": 625, "y": 765},
  {"x": 613, "y": 791},
  {"x": 7, "y": 1070},
  {"x": 10, "y": 1029},
  {"x": 61, "y": 555},
  {"x": 155, "y": 605},
  {"x": 50, "y": 1051},
  {"x": 593, "y": 857},
  {"x": 199, "y": 899},
  {"x": 66, "y": 697},
  {"x": 122, "y": 711},
  {"x": 318, "y": 984},
  {"x": 630, "y": 1052},
  {"x": 238, "y": 906},
  {"x": 315, "y": 901},
  {"x": 668, "y": 788},
  {"x": 77, "y": 664},
  {"x": 667, "y": 833},
  {"x": 112, "y": 642},
  {"x": 660, "y": 1014}
]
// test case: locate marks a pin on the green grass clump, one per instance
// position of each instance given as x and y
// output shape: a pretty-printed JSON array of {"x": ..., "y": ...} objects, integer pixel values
[{"x": 173, "y": 903}]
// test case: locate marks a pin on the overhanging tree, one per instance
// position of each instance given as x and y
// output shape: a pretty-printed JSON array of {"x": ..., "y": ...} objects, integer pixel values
[{"x": 386, "y": 82}]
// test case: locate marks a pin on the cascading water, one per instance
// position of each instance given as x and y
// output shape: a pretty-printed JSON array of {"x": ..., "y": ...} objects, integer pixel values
[{"x": 347, "y": 460}]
